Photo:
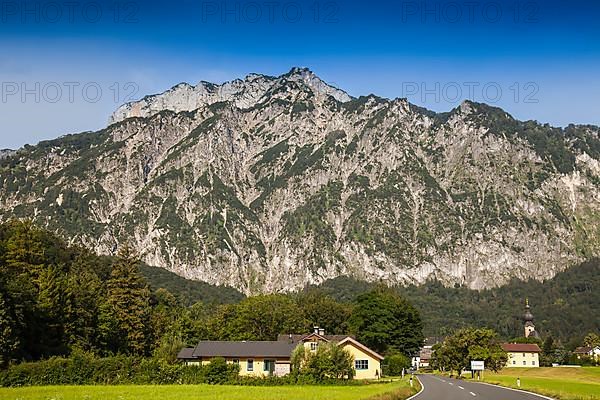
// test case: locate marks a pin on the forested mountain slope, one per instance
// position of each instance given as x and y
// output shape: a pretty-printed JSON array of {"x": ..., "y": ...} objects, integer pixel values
[{"x": 565, "y": 307}]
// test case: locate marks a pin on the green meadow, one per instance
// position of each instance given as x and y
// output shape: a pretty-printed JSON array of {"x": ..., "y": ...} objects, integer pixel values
[
  {"x": 397, "y": 390},
  {"x": 560, "y": 383}
]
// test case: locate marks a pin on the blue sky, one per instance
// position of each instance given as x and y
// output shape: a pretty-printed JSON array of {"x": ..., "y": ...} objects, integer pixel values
[{"x": 536, "y": 59}]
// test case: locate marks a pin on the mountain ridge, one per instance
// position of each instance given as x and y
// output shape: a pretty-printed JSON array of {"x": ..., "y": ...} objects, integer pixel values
[
  {"x": 283, "y": 185},
  {"x": 206, "y": 93}
]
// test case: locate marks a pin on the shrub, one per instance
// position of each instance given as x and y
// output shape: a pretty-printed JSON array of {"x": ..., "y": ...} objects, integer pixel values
[
  {"x": 192, "y": 375},
  {"x": 394, "y": 364},
  {"x": 329, "y": 362},
  {"x": 219, "y": 372}
]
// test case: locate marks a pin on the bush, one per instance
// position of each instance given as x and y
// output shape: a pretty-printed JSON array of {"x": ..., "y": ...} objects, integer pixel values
[
  {"x": 219, "y": 372},
  {"x": 394, "y": 364},
  {"x": 329, "y": 362},
  {"x": 153, "y": 371},
  {"x": 584, "y": 361}
]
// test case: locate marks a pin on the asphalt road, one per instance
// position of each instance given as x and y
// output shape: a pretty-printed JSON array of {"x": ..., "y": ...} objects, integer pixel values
[{"x": 442, "y": 388}]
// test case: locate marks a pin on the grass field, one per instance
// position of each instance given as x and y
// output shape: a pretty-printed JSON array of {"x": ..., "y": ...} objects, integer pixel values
[
  {"x": 384, "y": 391},
  {"x": 560, "y": 383}
]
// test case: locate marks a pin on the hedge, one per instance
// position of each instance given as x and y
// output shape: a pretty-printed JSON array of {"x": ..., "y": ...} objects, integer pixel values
[{"x": 86, "y": 369}]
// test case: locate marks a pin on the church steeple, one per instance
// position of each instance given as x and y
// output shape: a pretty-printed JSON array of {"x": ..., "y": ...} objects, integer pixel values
[{"x": 528, "y": 320}]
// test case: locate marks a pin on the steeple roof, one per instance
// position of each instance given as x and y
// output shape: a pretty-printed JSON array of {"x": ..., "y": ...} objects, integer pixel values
[{"x": 528, "y": 317}]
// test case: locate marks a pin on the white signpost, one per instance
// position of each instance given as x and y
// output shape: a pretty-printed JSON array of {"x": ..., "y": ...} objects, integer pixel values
[{"x": 478, "y": 366}]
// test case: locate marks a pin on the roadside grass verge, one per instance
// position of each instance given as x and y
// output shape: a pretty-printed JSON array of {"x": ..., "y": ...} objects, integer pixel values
[
  {"x": 396, "y": 390},
  {"x": 559, "y": 383}
]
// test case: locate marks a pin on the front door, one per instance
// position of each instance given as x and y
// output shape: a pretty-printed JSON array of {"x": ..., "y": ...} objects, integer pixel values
[{"x": 269, "y": 366}]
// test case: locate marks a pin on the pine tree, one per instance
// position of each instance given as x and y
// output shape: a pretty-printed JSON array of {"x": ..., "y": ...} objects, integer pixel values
[
  {"x": 128, "y": 301},
  {"x": 51, "y": 307},
  {"x": 9, "y": 342},
  {"x": 24, "y": 247},
  {"x": 84, "y": 293}
]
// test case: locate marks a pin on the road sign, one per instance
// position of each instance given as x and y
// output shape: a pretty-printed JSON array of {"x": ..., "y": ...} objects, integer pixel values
[{"x": 477, "y": 365}]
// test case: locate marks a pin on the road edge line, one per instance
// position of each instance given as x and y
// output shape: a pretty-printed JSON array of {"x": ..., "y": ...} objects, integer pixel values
[
  {"x": 516, "y": 390},
  {"x": 422, "y": 388}
]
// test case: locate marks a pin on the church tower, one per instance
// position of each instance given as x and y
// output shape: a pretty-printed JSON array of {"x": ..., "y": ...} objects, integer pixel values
[{"x": 528, "y": 320}]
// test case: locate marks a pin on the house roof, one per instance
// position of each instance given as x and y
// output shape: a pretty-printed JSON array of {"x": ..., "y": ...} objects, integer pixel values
[
  {"x": 294, "y": 337},
  {"x": 186, "y": 353},
  {"x": 361, "y": 347},
  {"x": 583, "y": 350},
  {"x": 425, "y": 353},
  {"x": 281, "y": 348},
  {"x": 275, "y": 349},
  {"x": 521, "y": 348}
]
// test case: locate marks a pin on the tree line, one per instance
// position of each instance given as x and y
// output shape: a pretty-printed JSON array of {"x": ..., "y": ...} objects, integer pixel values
[
  {"x": 566, "y": 307},
  {"x": 57, "y": 299}
]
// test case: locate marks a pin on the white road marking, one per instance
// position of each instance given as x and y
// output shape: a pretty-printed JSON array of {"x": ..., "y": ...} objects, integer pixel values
[
  {"x": 517, "y": 390},
  {"x": 414, "y": 397},
  {"x": 462, "y": 387}
]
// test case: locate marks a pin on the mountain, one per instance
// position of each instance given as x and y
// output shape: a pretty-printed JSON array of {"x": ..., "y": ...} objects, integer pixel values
[
  {"x": 242, "y": 93},
  {"x": 271, "y": 183},
  {"x": 4, "y": 153}
]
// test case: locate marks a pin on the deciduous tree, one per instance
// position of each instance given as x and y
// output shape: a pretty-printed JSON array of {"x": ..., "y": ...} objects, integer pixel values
[
  {"x": 323, "y": 311},
  {"x": 466, "y": 345},
  {"x": 591, "y": 340},
  {"x": 385, "y": 321}
]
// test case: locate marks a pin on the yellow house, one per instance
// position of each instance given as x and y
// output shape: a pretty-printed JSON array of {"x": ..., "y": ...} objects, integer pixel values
[
  {"x": 264, "y": 358},
  {"x": 522, "y": 355},
  {"x": 367, "y": 363}
]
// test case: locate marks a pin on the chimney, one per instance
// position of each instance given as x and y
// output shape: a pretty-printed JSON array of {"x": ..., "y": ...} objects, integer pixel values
[
  {"x": 316, "y": 330},
  {"x": 321, "y": 331}
]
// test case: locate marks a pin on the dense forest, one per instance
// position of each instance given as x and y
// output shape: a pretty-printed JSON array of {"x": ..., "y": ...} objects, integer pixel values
[
  {"x": 56, "y": 298},
  {"x": 565, "y": 307},
  {"x": 186, "y": 291}
]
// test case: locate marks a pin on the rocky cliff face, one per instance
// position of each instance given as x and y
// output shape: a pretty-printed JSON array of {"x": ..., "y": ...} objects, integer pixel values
[
  {"x": 4, "y": 153},
  {"x": 269, "y": 183}
]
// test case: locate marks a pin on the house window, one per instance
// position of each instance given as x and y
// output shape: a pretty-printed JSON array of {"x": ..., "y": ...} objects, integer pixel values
[
  {"x": 250, "y": 366},
  {"x": 514, "y": 362},
  {"x": 313, "y": 346},
  {"x": 269, "y": 366},
  {"x": 361, "y": 364},
  {"x": 236, "y": 361},
  {"x": 524, "y": 362},
  {"x": 524, "y": 354},
  {"x": 533, "y": 362}
]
